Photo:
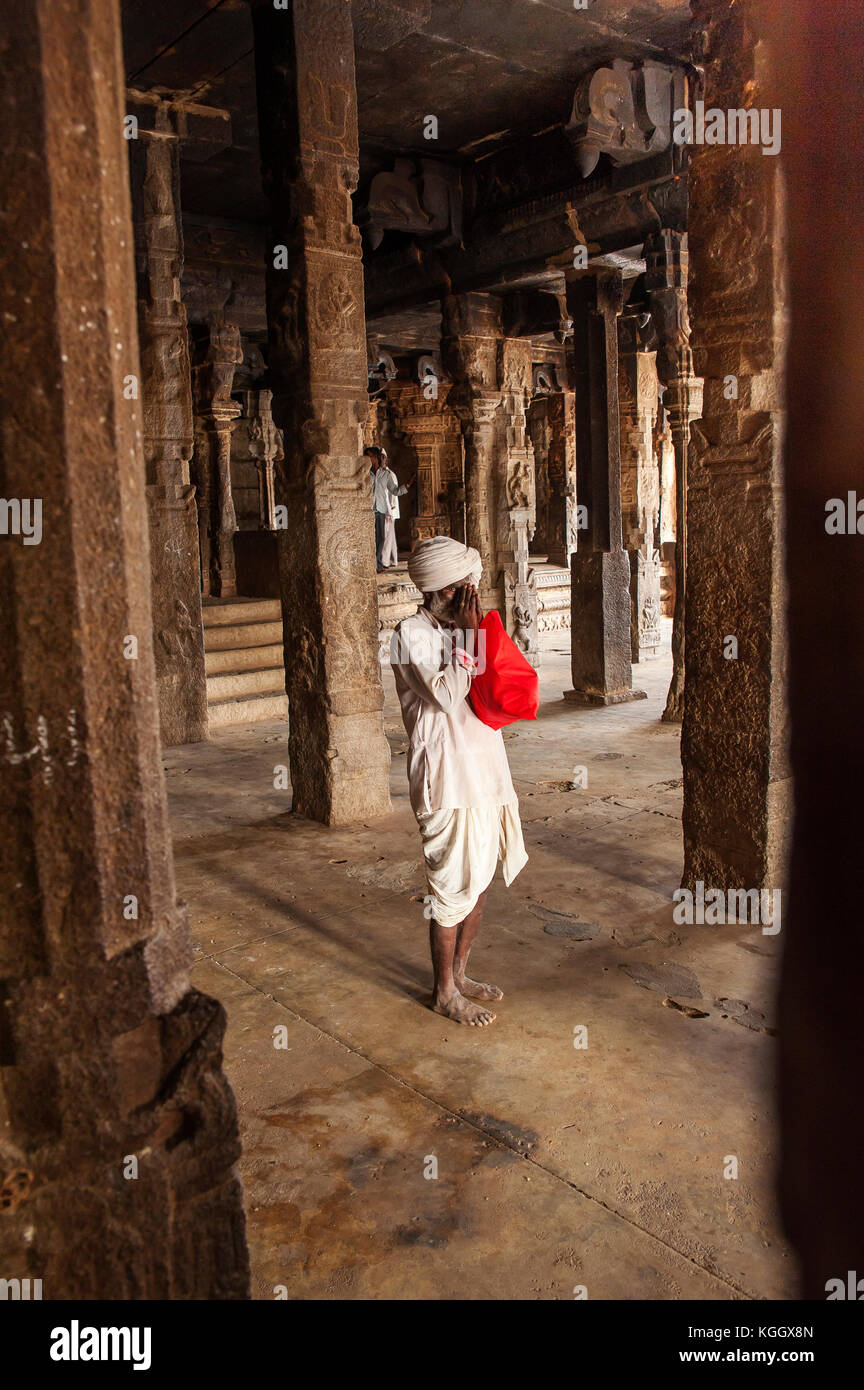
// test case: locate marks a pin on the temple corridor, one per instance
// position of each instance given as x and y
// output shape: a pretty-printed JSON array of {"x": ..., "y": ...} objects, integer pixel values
[
  {"x": 605, "y": 1163},
  {"x": 529, "y": 321}
]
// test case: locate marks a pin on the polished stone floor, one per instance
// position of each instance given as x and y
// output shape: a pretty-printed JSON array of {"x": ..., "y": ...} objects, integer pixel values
[{"x": 389, "y": 1153}]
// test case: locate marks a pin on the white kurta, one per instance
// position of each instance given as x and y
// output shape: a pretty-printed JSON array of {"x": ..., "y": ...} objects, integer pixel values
[{"x": 458, "y": 777}]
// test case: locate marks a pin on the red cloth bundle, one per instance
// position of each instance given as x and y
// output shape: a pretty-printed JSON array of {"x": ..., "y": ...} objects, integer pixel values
[{"x": 507, "y": 689}]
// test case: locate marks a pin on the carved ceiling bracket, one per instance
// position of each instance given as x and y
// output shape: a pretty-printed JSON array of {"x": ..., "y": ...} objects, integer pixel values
[
  {"x": 624, "y": 110},
  {"x": 422, "y": 197}
]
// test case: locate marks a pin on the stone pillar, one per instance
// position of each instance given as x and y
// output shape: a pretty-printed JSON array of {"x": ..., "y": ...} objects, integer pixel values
[
  {"x": 737, "y": 788},
  {"x": 640, "y": 486},
  {"x": 600, "y": 568},
  {"x": 551, "y": 427},
  {"x": 318, "y": 372},
  {"x": 116, "y": 1114},
  {"x": 265, "y": 446},
  {"x": 217, "y": 413},
  {"x": 166, "y": 402},
  {"x": 469, "y": 345},
  {"x": 666, "y": 276},
  {"x": 430, "y": 429},
  {"x": 516, "y": 511},
  {"x": 821, "y": 1039},
  {"x": 561, "y": 529}
]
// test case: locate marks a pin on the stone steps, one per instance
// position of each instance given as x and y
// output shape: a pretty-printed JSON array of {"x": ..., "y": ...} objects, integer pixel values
[
  {"x": 232, "y": 684},
  {"x": 243, "y": 658},
  {"x": 258, "y": 711},
  {"x": 244, "y": 661},
  {"x": 226, "y": 612},
  {"x": 242, "y": 636}
]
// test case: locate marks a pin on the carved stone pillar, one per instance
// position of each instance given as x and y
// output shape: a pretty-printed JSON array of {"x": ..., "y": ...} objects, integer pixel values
[
  {"x": 217, "y": 414},
  {"x": 107, "y": 1055},
  {"x": 640, "y": 486},
  {"x": 265, "y": 446},
  {"x": 516, "y": 512},
  {"x": 318, "y": 367},
  {"x": 737, "y": 785},
  {"x": 561, "y": 530},
  {"x": 471, "y": 336},
  {"x": 666, "y": 259},
  {"x": 166, "y": 406},
  {"x": 431, "y": 430},
  {"x": 600, "y": 568}
]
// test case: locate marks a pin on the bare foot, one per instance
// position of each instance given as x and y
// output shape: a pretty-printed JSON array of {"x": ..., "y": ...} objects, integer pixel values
[
  {"x": 461, "y": 1010},
  {"x": 475, "y": 989}
]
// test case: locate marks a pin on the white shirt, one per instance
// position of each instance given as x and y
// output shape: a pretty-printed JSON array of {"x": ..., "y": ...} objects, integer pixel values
[
  {"x": 454, "y": 759},
  {"x": 385, "y": 490}
]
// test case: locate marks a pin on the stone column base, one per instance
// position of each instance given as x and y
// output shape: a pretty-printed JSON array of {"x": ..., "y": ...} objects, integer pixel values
[
  {"x": 600, "y": 628},
  {"x": 588, "y": 698}
]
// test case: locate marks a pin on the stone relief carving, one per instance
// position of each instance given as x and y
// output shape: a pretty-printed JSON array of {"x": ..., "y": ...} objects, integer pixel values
[
  {"x": 334, "y": 307},
  {"x": 519, "y": 483},
  {"x": 545, "y": 379},
  {"x": 423, "y": 197},
  {"x": 223, "y": 356}
]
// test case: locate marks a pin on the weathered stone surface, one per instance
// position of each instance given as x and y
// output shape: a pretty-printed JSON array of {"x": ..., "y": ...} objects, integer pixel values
[
  {"x": 166, "y": 405},
  {"x": 821, "y": 49},
  {"x": 107, "y": 1054},
  {"x": 737, "y": 788},
  {"x": 318, "y": 364}
]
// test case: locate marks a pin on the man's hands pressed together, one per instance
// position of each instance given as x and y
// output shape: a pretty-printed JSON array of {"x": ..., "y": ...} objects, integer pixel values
[{"x": 467, "y": 612}]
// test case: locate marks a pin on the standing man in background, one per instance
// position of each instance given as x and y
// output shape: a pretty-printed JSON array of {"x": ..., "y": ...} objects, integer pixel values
[{"x": 385, "y": 490}]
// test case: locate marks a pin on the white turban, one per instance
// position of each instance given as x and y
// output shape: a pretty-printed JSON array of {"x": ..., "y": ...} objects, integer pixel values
[{"x": 438, "y": 562}]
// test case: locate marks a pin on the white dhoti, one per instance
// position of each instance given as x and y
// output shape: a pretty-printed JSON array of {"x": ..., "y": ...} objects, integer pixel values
[{"x": 462, "y": 848}]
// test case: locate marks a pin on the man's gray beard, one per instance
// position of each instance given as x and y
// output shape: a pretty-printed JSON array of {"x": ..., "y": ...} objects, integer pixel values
[{"x": 440, "y": 608}]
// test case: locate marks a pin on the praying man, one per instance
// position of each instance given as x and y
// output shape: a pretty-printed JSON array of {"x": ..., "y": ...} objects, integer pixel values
[{"x": 458, "y": 776}]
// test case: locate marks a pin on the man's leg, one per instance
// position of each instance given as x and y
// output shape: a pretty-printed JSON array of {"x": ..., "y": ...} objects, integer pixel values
[
  {"x": 380, "y": 533},
  {"x": 465, "y": 934},
  {"x": 447, "y": 998},
  {"x": 389, "y": 553}
]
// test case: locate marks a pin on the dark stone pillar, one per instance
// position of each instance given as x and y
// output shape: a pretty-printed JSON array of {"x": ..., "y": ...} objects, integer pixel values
[
  {"x": 166, "y": 406},
  {"x": 821, "y": 1038},
  {"x": 737, "y": 785},
  {"x": 307, "y": 108},
  {"x": 216, "y": 415},
  {"x": 116, "y": 1114},
  {"x": 600, "y": 568}
]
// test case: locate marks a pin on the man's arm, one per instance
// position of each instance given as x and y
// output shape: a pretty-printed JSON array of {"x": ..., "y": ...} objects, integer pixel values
[
  {"x": 394, "y": 486},
  {"x": 418, "y": 656}
]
